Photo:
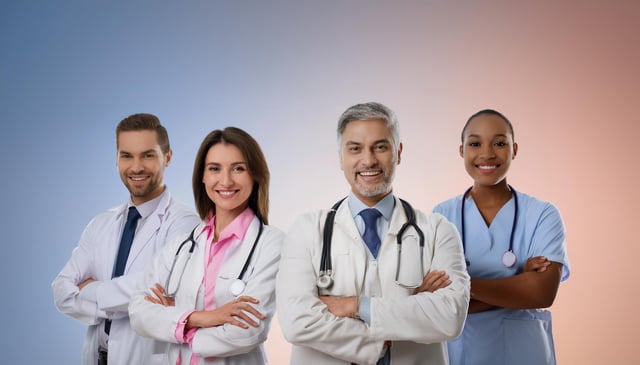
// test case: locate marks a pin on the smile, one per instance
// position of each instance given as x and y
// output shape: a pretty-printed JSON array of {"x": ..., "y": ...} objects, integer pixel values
[{"x": 487, "y": 167}]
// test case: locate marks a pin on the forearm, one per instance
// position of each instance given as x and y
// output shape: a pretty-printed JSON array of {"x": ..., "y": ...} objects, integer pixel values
[{"x": 527, "y": 290}]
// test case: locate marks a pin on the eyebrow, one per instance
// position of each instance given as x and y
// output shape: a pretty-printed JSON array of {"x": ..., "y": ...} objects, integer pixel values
[
  {"x": 232, "y": 164},
  {"x": 478, "y": 136},
  {"x": 142, "y": 153}
]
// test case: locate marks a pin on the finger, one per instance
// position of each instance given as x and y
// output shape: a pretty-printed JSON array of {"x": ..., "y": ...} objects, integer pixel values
[
  {"x": 160, "y": 288},
  {"x": 234, "y": 321},
  {"x": 249, "y": 299},
  {"x": 151, "y": 299},
  {"x": 241, "y": 308}
]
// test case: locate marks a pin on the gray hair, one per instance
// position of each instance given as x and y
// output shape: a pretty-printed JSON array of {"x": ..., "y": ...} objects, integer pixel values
[{"x": 370, "y": 111}]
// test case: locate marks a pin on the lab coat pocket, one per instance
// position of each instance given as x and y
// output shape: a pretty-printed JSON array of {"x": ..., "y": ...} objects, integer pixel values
[
  {"x": 410, "y": 267},
  {"x": 528, "y": 342}
]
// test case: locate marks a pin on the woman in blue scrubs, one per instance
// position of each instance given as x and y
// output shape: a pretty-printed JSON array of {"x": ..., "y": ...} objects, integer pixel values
[{"x": 514, "y": 245}]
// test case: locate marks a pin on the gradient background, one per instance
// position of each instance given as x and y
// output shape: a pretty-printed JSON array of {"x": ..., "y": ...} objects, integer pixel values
[{"x": 565, "y": 72}]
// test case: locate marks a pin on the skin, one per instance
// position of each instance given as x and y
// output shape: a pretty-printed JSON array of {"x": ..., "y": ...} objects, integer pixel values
[
  {"x": 487, "y": 150},
  {"x": 368, "y": 159},
  {"x": 141, "y": 165},
  {"x": 229, "y": 185}
]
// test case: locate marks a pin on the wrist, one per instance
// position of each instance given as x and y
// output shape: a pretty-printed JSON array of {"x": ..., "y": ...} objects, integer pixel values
[{"x": 356, "y": 312}]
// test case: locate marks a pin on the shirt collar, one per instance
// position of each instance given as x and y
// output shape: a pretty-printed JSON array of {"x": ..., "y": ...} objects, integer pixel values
[
  {"x": 147, "y": 208},
  {"x": 384, "y": 206},
  {"x": 238, "y": 226}
]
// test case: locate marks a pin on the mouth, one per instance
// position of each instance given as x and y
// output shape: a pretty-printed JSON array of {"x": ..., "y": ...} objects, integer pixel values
[
  {"x": 487, "y": 167},
  {"x": 226, "y": 193},
  {"x": 369, "y": 173},
  {"x": 138, "y": 179}
]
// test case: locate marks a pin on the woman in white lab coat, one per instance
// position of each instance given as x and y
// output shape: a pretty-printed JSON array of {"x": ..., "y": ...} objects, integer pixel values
[
  {"x": 515, "y": 250},
  {"x": 215, "y": 305}
]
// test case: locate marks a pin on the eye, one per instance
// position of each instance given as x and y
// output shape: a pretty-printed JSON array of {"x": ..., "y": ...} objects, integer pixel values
[
  {"x": 382, "y": 147},
  {"x": 354, "y": 148},
  {"x": 213, "y": 168},
  {"x": 149, "y": 155},
  {"x": 239, "y": 168},
  {"x": 473, "y": 144},
  {"x": 501, "y": 144}
]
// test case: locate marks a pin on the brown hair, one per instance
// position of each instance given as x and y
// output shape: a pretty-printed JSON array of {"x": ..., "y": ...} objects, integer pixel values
[
  {"x": 256, "y": 166},
  {"x": 141, "y": 122}
]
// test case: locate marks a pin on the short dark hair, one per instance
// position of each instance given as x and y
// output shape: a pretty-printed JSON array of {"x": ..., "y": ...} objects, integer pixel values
[
  {"x": 256, "y": 166},
  {"x": 142, "y": 122},
  {"x": 488, "y": 112}
]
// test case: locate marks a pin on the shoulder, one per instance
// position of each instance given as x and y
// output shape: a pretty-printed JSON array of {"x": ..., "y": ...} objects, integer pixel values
[
  {"x": 534, "y": 207},
  {"x": 449, "y": 206},
  {"x": 108, "y": 215}
]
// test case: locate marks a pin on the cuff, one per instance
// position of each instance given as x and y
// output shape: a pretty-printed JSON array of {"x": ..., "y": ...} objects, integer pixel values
[
  {"x": 364, "y": 310},
  {"x": 180, "y": 334}
]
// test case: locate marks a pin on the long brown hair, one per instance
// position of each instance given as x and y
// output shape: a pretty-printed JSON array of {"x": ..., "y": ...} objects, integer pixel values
[{"x": 256, "y": 165}]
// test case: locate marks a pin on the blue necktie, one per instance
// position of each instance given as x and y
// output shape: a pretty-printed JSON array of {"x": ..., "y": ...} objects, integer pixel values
[
  {"x": 125, "y": 242},
  {"x": 370, "y": 236},
  {"x": 123, "y": 250}
]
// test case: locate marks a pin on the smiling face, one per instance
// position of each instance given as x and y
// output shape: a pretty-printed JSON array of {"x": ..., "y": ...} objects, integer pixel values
[
  {"x": 141, "y": 164},
  {"x": 226, "y": 180},
  {"x": 487, "y": 149},
  {"x": 368, "y": 158}
]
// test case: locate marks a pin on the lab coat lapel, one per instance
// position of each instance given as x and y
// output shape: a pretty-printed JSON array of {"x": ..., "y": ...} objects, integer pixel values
[
  {"x": 148, "y": 232},
  {"x": 346, "y": 238},
  {"x": 238, "y": 253}
]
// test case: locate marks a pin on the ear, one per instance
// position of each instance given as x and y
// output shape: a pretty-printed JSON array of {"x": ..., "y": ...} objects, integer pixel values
[
  {"x": 167, "y": 158},
  {"x": 515, "y": 150},
  {"x": 399, "y": 152},
  {"x": 461, "y": 151}
]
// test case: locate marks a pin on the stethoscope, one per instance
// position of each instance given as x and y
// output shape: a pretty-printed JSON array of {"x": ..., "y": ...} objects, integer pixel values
[
  {"x": 508, "y": 257},
  {"x": 325, "y": 278},
  {"x": 237, "y": 286}
]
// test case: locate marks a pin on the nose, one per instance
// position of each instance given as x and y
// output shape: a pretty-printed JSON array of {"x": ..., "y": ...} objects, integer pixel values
[
  {"x": 369, "y": 158},
  {"x": 137, "y": 166},
  {"x": 225, "y": 178},
  {"x": 488, "y": 152}
]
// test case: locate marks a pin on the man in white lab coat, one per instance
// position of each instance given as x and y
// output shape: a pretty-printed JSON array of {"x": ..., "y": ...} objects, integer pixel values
[
  {"x": 366, "y": 306},
  {"x": 95, "y": 285}
]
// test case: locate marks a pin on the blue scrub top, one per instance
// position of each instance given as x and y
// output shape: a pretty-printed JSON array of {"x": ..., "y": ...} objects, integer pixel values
[{"x": 507, "y": 336}]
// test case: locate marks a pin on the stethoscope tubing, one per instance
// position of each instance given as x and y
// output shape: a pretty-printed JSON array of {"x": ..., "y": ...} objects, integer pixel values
[
  {"x": 191, "y": 249},
  {"x": 325, "y": 277},
  {"x": 513, "y": 225}
]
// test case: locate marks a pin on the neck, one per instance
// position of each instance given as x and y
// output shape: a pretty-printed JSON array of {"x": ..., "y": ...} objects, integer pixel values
[{"x": 491, "y": 194}]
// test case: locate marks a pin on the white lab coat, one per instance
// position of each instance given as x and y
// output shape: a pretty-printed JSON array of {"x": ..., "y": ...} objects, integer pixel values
[
  {"x": 229, "y": 344},
  {"x": 417, "y": 324},
  {"x": 94, "y": 257}
]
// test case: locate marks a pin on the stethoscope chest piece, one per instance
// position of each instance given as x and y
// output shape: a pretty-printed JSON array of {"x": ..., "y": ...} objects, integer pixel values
[
  {"x": 237, "y": 287},
  {"x": 508, "y": 258},
  {"x": 324, "y": 280}
]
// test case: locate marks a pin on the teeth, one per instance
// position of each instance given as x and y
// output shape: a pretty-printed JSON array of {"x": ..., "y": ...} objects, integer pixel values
[
  {"x": 368, "y": 173},
  {"x": 226, "y": 193},
  {"x": 481, "y": 167},
  {"x": 137, "y": 178}
]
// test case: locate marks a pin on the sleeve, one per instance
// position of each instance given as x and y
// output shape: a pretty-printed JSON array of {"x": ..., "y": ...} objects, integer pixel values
[
  {"x": 304, "y": 319},
  {"x": 548, "y": 238},
  {"x": 155, "y": 320},
  {"x": 68, "y": 298},
  {"x": 428, "y": 317},
  {"x": 113, "y": 296},
  {"x": 229, "y": 340}
]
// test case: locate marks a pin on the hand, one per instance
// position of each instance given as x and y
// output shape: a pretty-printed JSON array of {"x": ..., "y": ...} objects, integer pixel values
[
  {"x": 85, "y": 283},
  {"x": 160, "y": 298},
  {"x": 341, "y": 306},
  {"x": 538, "y": 263},
  {"x": 232, "y": 313},
  {"x": 434, "y": 280}
]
